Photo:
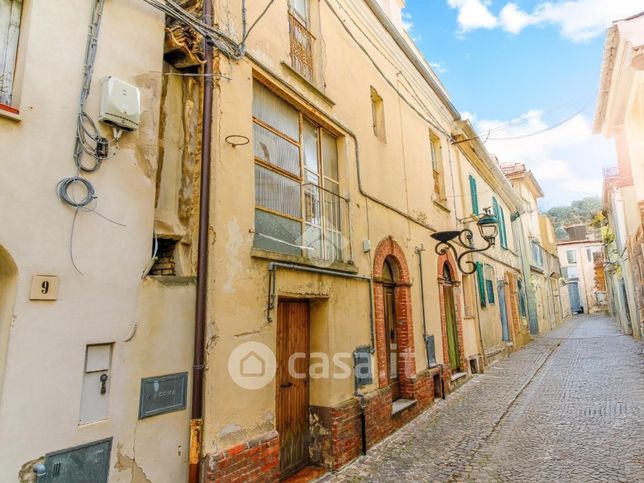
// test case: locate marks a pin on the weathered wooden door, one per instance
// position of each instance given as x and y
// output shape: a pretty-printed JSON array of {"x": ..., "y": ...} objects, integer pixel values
[
  {"x": 391, "y": 333},
  {"x": 292, "y": 380},
  {"x": 452, "y": 331}
]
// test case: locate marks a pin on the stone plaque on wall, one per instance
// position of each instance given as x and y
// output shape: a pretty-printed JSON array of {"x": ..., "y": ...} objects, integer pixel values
[{"x": 163, "y": 394}]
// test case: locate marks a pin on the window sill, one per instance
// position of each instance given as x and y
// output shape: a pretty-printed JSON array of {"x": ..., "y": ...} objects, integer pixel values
[
  {"x": 10, "y": 112},
  {"x": 442, "y": 206},
  {"x": 400, "y": 405},
  {"x": 309, "y": 84},
  {"x": 282, "y": 257}
]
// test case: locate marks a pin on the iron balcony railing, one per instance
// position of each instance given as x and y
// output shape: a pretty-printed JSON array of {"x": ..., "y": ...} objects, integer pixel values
[
  {"x": 611, "y": 171},
  {"x": 301, "y": 47},
  {"x": 327, "y": 225}
]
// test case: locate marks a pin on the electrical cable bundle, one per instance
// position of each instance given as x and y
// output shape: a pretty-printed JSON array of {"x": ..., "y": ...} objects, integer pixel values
[{"x": 215, "y": 37}]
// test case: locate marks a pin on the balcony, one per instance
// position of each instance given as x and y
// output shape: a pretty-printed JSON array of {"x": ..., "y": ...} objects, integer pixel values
[
  {"x": 611, "y": 172},
  {"x": 301, "y": 47}
]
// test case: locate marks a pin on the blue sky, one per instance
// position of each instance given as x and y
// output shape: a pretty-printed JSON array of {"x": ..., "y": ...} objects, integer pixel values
[{"x": 533, "y": 63}]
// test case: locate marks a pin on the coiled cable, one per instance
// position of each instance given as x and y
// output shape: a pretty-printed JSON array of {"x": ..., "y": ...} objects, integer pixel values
[{"x": 63, "y": 186}]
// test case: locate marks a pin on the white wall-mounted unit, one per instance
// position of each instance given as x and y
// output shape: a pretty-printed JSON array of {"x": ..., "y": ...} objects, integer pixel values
[{"x": 120, "y": 104}]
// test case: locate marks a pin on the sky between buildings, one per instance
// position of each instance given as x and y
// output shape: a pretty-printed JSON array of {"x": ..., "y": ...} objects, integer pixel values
[{"x": 532, "y": 64}]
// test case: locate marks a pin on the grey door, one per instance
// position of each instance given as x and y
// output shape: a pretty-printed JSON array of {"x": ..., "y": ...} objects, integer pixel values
[
  {"x": 89, "y": 463},
  {"x": 504, "y": 314},
  {"x": 575, "y": 302}
]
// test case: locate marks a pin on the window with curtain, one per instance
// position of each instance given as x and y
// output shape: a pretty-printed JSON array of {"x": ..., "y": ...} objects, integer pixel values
[
  {"x": 298, "y": 207},
  {"x": 10, "y": 13},
  {"x": 571, "y": 256},
  {"x": 474, "y": 196}
]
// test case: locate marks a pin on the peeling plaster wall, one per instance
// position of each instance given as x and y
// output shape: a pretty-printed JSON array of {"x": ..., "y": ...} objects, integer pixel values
[
  {"x": 39, "y": 406},
  {"x": 398, "y": 171}
]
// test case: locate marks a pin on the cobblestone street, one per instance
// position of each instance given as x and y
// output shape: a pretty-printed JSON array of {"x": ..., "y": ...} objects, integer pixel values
[{"x": 568, "y": 407}]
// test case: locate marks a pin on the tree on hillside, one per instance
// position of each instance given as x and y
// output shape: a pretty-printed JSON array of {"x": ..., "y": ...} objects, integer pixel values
[{"x": 579, "y": 211}]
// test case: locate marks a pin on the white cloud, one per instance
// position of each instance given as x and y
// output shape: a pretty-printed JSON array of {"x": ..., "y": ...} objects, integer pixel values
[
  {"x": 473, "y": 14},
  {"x": 513, "y": 19},
  {"x": 566, "y": 160},
  {"x": 438, "y": 67},
  {"x": 408, "y": 25},
  {"x": 577, "y": 20}
]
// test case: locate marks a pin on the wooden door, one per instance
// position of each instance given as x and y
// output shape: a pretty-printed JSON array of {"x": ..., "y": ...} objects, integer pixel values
[
  {"x": 452, "y": 331},
  {"x": 391, "y": 333},
  {"x": 292, "y": 391}
]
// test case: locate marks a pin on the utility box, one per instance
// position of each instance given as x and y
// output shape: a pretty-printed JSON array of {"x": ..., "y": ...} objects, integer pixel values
[
  {"x": 81, "y": 464},
  {"x": 96, "y": 383},
  {"x": 120, "y": 104},
  {"x": 362, "y": 366}
]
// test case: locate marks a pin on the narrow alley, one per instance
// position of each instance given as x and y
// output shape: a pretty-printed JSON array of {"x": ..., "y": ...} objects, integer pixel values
[{"x": 568, "y": 407}]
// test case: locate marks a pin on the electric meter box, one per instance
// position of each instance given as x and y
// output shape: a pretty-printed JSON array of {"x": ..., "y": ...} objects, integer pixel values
[{"x": 120, "y": 104}]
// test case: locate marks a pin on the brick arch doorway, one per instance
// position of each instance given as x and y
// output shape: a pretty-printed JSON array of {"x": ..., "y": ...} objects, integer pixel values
[
  {"x": 451, "y": 322},
  {"x": 393, "y": 320}
]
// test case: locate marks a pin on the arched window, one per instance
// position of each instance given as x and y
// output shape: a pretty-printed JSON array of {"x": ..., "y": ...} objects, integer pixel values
[
  {"x": 447, "y": 274},
  {"x": 389, "y": 272}
]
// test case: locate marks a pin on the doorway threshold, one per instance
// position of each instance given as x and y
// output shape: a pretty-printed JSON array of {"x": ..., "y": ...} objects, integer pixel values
[
  {"x": 458, "y": 375},
  {"x": 400, "y": 405},
  {"x": 307, "y": 475}
]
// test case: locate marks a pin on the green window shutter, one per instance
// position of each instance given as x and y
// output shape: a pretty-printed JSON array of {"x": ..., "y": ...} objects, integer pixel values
[
  {"x": 474, "y": 195},
  {"x": 481, "y": 281},
  {"x": 504, "y": 234},
  {"x": 500, "y": 216}
]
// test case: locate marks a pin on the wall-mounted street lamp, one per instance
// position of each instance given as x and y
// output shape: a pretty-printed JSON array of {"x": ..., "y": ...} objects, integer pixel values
[{"x": 488, "y": 228}]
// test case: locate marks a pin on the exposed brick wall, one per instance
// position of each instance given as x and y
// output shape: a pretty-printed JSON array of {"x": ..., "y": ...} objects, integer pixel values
[
  {"x": 253, "y": 460},
  {"x": 346, "y": 433},
  {"x": 337, "y": 431},
  {"x": 164, "y": 263},
  {"x": 406, "y": 349}
]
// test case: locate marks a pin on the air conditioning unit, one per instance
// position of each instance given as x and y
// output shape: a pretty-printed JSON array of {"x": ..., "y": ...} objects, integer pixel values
[{"x": 120, "y": 105}]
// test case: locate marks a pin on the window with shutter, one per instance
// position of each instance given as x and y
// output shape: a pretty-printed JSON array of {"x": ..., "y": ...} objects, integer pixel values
[
  {"x": 10, "y": 13},
  {"x": 474, "y": 195}
]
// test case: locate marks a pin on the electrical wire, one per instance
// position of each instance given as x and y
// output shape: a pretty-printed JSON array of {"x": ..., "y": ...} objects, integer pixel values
[
  {"x": 63, "y": 186},
  {"x": 257, "y": 20},
  {"x": 211, "y": 35},
  {"x": 427, "y": 119},
  {"x": 549, "y": 128}
]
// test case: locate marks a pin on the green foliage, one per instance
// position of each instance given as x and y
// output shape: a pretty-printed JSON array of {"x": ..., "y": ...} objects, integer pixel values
[{"x": 579, "y": 211}]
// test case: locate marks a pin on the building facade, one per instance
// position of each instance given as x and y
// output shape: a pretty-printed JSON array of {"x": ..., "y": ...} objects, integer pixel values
[
  {"x": 331, "y": 317},
  {"x": 582, "y": 260},
  {"x": 546, "y": 300},
  {"x": 620, "y": 116}
]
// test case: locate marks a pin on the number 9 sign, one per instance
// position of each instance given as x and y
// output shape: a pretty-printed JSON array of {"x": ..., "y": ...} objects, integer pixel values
[{"x": 44, "y": 287}]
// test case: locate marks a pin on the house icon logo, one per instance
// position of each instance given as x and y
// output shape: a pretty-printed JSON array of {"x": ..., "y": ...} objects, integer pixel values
[{"x": 252, "y": 365}]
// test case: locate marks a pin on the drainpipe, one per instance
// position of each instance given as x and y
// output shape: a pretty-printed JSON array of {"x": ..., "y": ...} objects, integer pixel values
[
  {"x": 196, "y": 417},
  {"x": 419, "y": 251}
]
